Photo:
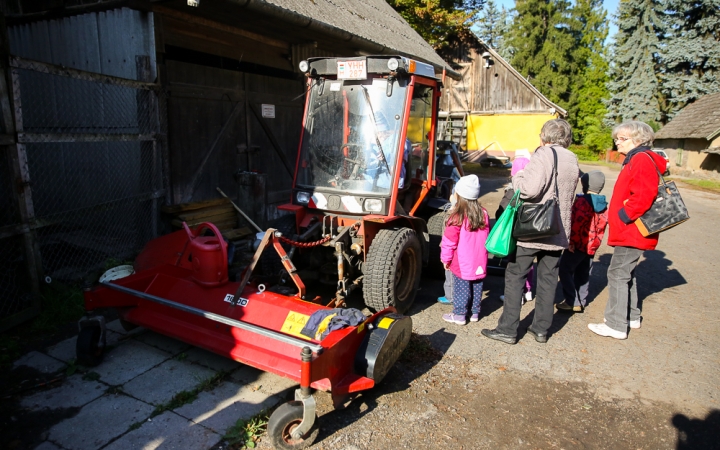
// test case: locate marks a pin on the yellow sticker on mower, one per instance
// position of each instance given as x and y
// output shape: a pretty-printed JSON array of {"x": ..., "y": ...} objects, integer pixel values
[
  {"x": 385, "y": 323},
  {"x": 294, "y": 323}
]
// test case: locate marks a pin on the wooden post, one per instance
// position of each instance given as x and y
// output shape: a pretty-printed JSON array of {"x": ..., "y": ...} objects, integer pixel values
[
  {"x": 11, "y": 108},
  {"x": 147, "y": 124}
]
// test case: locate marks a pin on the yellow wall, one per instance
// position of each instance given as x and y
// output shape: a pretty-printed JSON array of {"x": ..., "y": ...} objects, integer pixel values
[
  {"x": 418, "y": 128},
  {"x": 508, "y": 132}
]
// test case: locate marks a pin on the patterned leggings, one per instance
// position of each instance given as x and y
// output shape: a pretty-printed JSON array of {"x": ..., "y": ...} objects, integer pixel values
[{"x": 466, "y": 294}]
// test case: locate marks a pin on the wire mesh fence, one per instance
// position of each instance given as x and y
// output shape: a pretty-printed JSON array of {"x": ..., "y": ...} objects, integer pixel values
[{"x": 94, "y": 169}]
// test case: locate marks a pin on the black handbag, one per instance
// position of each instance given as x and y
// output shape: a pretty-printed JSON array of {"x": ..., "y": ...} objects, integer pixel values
[
  {"x": 667, "y": 211},
  {"x": 539, "y": 220}
]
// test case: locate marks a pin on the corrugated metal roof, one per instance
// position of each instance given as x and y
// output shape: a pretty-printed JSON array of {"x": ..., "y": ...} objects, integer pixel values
[
  {"x": 372, "y": 20},
  {"x": 699, "y": 120},
  {"x": 89, "y": 41}
]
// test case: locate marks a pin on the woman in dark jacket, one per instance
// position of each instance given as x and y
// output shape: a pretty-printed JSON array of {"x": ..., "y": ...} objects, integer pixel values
[{"x": 635, "y": 191}]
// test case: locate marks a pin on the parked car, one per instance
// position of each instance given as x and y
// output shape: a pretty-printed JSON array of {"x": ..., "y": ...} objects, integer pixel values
[{"x": 662, "y": 153}]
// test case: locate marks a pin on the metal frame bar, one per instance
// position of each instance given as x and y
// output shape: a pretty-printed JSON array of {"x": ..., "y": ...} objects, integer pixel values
[
  {"x": 218, "y": 318},
  {"x": 83, "y": 137},
  {"x": 52, "y": 69}
]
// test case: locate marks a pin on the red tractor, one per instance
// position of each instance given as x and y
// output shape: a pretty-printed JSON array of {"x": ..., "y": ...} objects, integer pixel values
[{"x": 365, "y": 183}]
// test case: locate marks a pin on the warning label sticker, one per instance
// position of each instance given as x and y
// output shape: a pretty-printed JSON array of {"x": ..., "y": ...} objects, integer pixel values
[
  {"x": 294, "y": 323},
  {"x": 385, "y": 322}
]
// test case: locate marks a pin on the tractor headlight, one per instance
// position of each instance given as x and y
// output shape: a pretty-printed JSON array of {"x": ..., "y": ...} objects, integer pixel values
[
  {"x": 302, "y": 197},
  {"x": 393, "y": 64},
  {"x": 303, "y": 66},
  {"x": 373, "y": 205}
]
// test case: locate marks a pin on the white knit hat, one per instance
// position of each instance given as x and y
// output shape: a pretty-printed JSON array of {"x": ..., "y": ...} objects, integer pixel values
[{"x": 468, "y": 187}]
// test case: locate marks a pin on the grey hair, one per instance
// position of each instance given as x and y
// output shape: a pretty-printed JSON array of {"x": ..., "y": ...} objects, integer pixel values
[
  {"x": 556, "y": 131},
  {"x": 639, "y": 132}
]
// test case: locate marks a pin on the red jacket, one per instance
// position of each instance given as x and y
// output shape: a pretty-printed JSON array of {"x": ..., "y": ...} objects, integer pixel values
[
  {"x": 635, "y": 191},
  {"x": 589, "y": 220}
]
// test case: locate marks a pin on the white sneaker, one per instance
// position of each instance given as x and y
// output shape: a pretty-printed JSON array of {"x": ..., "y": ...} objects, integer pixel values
[
  {"x": 634, "y": 324},
  {"x": 604, "y": 330},
  {"x": 528, "y": 296}
]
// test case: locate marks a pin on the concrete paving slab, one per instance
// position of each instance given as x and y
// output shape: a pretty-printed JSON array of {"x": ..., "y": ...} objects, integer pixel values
[
  {"x": 159, "y": 384},
  {"x": 65, "y": 350},
  {"x": 164, "y": 343},
  {"x": 220, "y": 408},
  {"x": 72, "y": 392},
  {"x": 117, "y": 328},
  {"x": 128, "y": 360},
  {"x": 40, "y": 362},
  {"x": 246, "y": 375},
  {"x": 47, "y": 445},
  {"x": 212, "y": 360},
  {"x": 265, "y": 381},
  {"x": 167, "y": 431},
  {"x": 99, "y": 422},
  {"x": 272, "y": 384}
]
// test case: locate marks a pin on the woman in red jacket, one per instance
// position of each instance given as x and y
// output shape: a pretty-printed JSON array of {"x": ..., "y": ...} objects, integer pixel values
[{"x": 634, "y": 193}]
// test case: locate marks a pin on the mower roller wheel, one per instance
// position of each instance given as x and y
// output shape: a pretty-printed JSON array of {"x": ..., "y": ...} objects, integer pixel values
[
  {"x": 436, "y": 225},
  {"x": 393, "y": 265},
  {"x": 285, "y": 419},
  {"x": 88, "y": 348},
  {"x": 271, "y": 265}
]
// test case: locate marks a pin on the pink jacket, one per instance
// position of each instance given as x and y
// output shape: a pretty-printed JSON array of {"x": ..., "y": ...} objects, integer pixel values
[{"x": 465, "y": 250}]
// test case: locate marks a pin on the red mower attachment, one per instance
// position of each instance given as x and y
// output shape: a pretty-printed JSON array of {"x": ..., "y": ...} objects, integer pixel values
[{"x": 180, "y": 288}]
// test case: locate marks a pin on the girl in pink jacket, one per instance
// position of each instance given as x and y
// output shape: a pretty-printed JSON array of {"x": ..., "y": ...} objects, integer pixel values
[{"x": 462, "y": 250}]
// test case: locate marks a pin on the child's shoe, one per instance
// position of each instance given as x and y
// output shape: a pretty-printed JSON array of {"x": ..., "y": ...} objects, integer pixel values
[
  {"x": 454, "y": 318},
  {"x": 444, "y": 301},
  {"x": 475, "y": 318}
]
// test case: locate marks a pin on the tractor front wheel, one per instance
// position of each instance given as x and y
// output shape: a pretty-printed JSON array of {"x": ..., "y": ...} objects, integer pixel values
[
  {"x": 392, "y": 270},
  {"x": 283, "y": 421}
]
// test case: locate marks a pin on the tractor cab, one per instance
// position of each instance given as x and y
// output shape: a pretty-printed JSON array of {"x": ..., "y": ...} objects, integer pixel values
[
  {"x": 368, "y": 136},
  {"x": 365, "y": 179}
]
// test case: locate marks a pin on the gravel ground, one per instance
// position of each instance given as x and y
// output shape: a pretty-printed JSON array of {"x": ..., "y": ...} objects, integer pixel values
[{"x": 658, "y": 389}]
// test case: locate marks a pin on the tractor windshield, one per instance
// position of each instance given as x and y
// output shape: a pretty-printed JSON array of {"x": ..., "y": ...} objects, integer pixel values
[{"x": 350, "y": 142}]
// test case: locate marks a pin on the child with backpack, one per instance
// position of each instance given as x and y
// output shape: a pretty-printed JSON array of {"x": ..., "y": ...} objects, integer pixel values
[
  {"x": 462, "y": 250},
  {"x": 589, "y": 219}
]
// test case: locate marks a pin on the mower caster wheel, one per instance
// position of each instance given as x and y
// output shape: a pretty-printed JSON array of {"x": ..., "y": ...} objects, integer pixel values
[
  {"x": 90, "y": 346},
  {"x": 286, "y": 418}
]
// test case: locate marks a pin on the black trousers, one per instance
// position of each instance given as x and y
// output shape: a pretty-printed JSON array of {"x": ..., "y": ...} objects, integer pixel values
[{"x": 547, "y": 279}]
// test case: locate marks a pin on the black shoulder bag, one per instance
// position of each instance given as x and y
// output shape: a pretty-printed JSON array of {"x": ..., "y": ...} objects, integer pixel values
[
  {"x": 539, "y": 220},
  {"x": 667, "y": 211}
]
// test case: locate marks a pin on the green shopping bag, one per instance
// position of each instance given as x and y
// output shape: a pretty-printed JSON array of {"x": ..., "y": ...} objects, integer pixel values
[{"x": 500, "y": 242}]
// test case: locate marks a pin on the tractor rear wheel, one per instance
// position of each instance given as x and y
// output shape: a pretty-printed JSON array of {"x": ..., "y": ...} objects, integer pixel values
[
  {"x": 436, "y": 225},
  {"x": 392, "y": 270}
]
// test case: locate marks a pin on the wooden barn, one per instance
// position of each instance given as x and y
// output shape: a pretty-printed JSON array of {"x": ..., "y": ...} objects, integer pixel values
[
  {"x": 692, "y": 138},
  {"x": 114, "y": 113},
  {"x": 492, "y": 110}
]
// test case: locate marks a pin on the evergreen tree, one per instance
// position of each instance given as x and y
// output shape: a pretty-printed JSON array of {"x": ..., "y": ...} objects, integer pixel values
[
  {"x": 542, "y": 44},
  {"x": 504, "y": 24},
  {"x": 634, "y": 85},
  {"x": 489, "y": 28},
  {"x": 588, "y": 89},
  {"x": 691, "y": 57},
  {"x": 442, "y": 23}
]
